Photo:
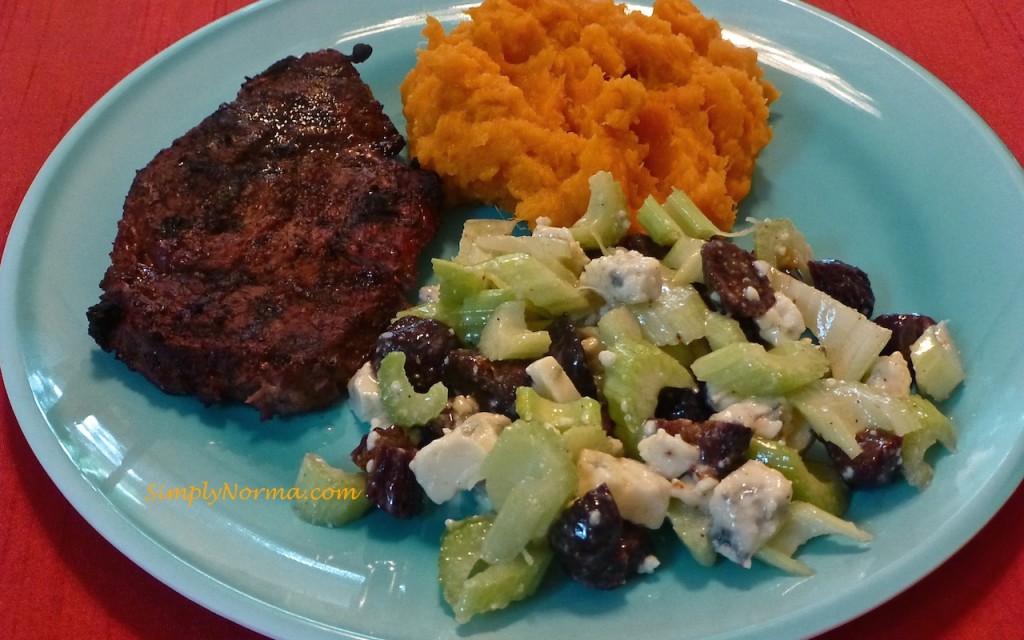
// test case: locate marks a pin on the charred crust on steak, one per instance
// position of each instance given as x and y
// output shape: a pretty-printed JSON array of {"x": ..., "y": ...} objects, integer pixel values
[{"x": 259, "y": 256}]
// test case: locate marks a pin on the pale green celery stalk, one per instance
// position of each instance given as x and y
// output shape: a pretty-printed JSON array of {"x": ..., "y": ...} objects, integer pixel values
[
  {"x": 780, "y": 244},
  {"x": 805, "y": 521},
  {"x": 592, "y": 437},
  {"x": 935, "y": 428},
  {"x": 456, "y": 282},
  {"x": 818, "y": 484},
  {"x": 693, "y": 527},
  {"x": 658, "y": 223},
  {"x": 851, "y": 341},
  {"x": 749, "y": 370},
  {"x": 471, "y": 586},
  {"x": 606, "y": 219},
  {"x": 537, "y": 284},
  {"x": 469, "y": 318},
  {"x": 676, "y": 316},
  {"x": 617, "y": 324},
  {"x": 469, "y": 253},
  {"x": 687, "y": 354},
  {"x": 528, "y": 475},
  {"x": 684, "y": 258},
  {"x": 430, "y": 310},
  {"x": 333, "y": 497},
  {"x": 403, "y": 404},
  {"x": 937, "y": 367},
  {"x": 507, "y": 337},
  {"x": 634, "y": 374},
  {"x": 554, "y": 253},
  {"x": 722, "y": 331},
  {"x": 533, "y": 407},
  {"x": 837, "y": 410},
  {"x": 689, "y": 217}
]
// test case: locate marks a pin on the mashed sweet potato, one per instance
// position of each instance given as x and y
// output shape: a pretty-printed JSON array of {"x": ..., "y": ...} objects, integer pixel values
[{"x": 521, "y": 104}]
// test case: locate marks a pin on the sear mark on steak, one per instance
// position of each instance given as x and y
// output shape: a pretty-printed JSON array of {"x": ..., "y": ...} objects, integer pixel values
[{"x": 260, "y": 255}]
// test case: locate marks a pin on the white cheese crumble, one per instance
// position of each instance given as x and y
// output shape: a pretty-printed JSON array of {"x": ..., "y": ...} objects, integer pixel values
[
  {"x": 669, "y": 455},
  {"x": 747, "y": 507},
  {"x": 430, "y": 293},
  {"x": 782, "y": 322},
  {"x": 624, "y": 277},
  {"x": 452, "y": 462},
  {"x": 649, "y": 564},
  {"x": 891, "y": 374},
  {"x": 641, "y": 494},
  {"x": 764, "y": 416},
  {"x": 364, "y": 397},
  {"x": 551, "y": 381}
]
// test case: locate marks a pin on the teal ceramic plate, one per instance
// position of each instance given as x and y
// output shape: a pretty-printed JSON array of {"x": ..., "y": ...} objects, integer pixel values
[{"x": 875, "y": 160}]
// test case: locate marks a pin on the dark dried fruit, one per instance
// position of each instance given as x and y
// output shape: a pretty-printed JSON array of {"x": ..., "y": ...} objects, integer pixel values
[
  {"x": 683, "y": 402},
  {"x": 594, "y": 545},
  {"x": 876, "y": 465},
  {"x": 390, "y": 483},
  {"x": 425, "y": 342},
  {"x": 642, "y": 243},
  {"x": 723, "y": 445},
  {"x": 844, "y": 282},
  {"x": 567, "y": 349},
  {"x": 492, "y": 384},
  {"x": 743, "y": 291},
  {"x": 906, "y": 329}
]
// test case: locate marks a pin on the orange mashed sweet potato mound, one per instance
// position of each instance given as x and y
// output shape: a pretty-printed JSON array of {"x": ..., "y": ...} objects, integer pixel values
[{"x": 519, "y": 105}]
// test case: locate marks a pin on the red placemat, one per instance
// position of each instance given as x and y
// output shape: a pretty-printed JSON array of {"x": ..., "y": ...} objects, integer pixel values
[{"x": 59, "y": 578}]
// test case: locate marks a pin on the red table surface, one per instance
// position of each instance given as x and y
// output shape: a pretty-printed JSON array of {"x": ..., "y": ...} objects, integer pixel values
[{"x": 59, "y": 578}]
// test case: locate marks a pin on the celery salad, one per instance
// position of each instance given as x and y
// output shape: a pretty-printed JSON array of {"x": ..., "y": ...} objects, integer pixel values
[{"x": 597, "y": 393}]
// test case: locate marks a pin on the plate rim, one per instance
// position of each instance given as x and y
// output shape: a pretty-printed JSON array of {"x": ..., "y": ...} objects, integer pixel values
[{"x": 223, "y": 599}]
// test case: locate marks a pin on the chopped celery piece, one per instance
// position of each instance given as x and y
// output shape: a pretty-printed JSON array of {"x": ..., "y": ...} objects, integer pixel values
[
  {"x": 475, "y": 228},
  {"x": 529, "y": 475},
  {"x": 780, "y": 244},
  {"x": 534, "y": 282},
  {"x": 658, "y": 223},
  {"x": 722, "y": 331},
  {"x": 506, "y": 336},
  {"x": 748, "y": 369},
  {"x": 456, "y": 282},
  {"x": 805, "y": 521},
  {"x": 554, "y": 253},
  {"x": 606, "y": 219},
  {"x": 471, "y": 586},
  {"x": 619, "y": 324},
  {"x": 676, "y": 316},
  {"x": 816, "y": 483},
  {"x": 592, "y": 437},
  {"x": 533, "y": 407},
  {"x": 551, "y": 381},
  {"x": 469, "y": 318},
  {"x": 403, "y": 404},
  {"x": 935, "y": 428},
  {"x": 423, "y": 310},
  {"x": 333, "y": 497},
  {"x": 937, "y": 367},
  {"x": 684, "y": 258},
  {"x": 838, "y": 410},
  {"x": 693, "y": 527},
  {"x": 634, "y": 375},
  {"x": 689, "y": 217},
  {"x": 851, "y": 341}
]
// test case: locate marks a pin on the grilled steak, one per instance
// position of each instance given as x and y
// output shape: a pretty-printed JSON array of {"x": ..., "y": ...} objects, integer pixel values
[{"x": 260, "y": 255}]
